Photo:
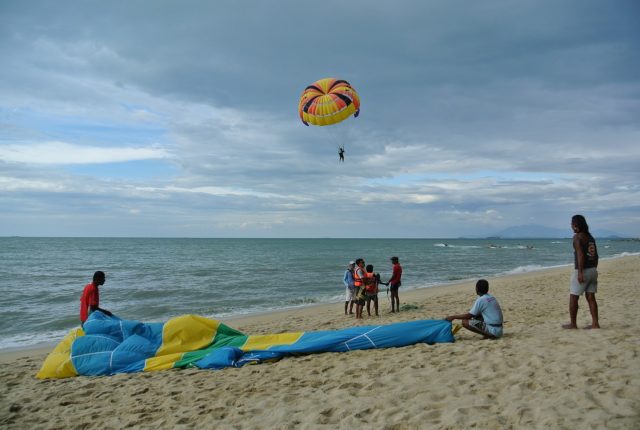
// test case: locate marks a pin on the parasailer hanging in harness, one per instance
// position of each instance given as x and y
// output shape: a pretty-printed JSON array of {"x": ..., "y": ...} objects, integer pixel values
[{"x": 328, "y": 102}]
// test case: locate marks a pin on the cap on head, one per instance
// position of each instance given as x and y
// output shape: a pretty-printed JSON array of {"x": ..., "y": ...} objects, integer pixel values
[{"x": 351, "y": 263}]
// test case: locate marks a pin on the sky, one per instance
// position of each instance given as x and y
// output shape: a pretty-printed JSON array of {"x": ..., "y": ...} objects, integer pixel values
[{"x": 179, "y": 118}]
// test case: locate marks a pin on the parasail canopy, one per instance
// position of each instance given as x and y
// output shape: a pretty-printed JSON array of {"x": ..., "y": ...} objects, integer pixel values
[
  {"x": 328, "y": 101},
  {"x": 108, "y": 345}
]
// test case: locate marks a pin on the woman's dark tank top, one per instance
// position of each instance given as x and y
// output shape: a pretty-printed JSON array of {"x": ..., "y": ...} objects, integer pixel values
[{"x": 590, "y": 251}]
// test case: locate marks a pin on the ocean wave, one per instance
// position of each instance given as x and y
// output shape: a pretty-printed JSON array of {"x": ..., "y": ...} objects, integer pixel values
[
  {"x": 626, "y": 254},
  {"x": 22, "y": 341},
  {"x": 620, "y": 255},
  {"x": 529, "y": 268},
  {"x": 448, "y": 245}
]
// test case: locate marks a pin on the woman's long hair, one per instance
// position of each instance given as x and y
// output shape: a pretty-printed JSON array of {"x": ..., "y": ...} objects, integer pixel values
[{"x": 581, "y": 222}]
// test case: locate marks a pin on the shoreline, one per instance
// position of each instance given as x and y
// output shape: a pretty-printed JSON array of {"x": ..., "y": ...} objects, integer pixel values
[
  {"x": 35, "y": 339},
  {"x": 536, "y": 376},
  {"x": 420, "y": 293},
  {"x": 9, "y": 354}
]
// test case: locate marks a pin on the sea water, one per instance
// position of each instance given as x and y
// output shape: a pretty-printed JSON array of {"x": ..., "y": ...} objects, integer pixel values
[{"x": 151, "y": 280}]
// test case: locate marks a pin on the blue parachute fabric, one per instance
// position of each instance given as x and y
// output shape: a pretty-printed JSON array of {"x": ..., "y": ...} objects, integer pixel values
[
  {"x": 109, "y": 345},
  {"x": 112, "y": 345},
  {"x": 354, "y": 338},
  {"x": 227, "y": 356}
]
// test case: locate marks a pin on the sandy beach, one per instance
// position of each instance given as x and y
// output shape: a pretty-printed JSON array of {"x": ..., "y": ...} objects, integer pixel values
[{"x": 537, "y": 376}]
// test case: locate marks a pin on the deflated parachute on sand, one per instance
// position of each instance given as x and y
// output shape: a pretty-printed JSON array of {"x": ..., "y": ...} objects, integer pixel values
[
  {"x": 110, "y": 345},
  {"x": 328, "y": 101}
]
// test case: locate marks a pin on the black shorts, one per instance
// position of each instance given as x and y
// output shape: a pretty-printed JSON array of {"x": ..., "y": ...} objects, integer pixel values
[{"x": 394, "y": 287}]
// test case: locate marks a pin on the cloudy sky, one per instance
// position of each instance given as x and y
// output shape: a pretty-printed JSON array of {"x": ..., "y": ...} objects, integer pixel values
[{"x": 179, "y": 118}]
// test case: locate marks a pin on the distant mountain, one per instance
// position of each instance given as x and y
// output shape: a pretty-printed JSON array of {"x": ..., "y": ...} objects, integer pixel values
[{"x": 533, "y": 231}]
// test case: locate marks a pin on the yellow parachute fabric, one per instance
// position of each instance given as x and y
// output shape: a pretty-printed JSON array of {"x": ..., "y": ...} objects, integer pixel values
[
  {"x": 328, "y": 101},
  {"x": 58, "y": 363}
]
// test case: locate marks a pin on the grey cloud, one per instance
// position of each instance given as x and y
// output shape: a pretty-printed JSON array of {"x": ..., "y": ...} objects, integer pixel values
[{"x": 449, "y": 89}]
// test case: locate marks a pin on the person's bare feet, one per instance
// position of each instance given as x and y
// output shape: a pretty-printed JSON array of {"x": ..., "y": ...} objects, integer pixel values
[{"x": 569, "y": 326}]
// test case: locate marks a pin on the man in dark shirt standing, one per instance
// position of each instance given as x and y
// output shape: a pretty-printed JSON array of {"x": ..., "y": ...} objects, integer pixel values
[
  {"x": 585, "y": 276},
  {"x": 394, "y": 284}
]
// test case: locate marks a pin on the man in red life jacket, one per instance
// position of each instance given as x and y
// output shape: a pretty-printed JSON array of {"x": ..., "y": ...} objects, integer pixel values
[
  {"x": 90, "y": 299},
  {"x": 358, "y": 277},
  {"x": 371, "y": 281}
]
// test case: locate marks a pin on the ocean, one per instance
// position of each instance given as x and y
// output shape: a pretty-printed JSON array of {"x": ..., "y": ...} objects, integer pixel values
[{"x": 152, "y": 280}]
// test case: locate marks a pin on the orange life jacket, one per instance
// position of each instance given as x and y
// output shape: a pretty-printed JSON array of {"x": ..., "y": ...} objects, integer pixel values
[
  {"x": 357, "y": 280},
  {"x": 370, "y": 282}
]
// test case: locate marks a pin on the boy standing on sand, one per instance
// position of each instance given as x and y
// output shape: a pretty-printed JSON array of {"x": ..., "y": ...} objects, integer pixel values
[
  {"x": 371, "y": 281},
  {"x": 485, "y": 317},
  {"x": 90, "y": 299}
]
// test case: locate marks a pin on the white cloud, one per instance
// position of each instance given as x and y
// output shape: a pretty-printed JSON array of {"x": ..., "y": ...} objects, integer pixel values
[{"x": 62, "y": 153}]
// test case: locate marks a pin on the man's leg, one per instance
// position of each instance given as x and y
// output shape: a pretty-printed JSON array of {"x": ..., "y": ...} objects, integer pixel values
[
  {"x": 466, "y": 324},
  {"x": 394, "y": 298},
  {"x": 573, "y": 311},
  {"x": 593, "y": 308}
]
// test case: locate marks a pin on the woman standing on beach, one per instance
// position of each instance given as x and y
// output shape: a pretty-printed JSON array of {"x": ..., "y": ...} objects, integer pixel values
[{"x": 585, "y": 277}]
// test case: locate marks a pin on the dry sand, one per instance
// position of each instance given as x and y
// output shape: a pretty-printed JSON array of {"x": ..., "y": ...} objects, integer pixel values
[{"x": 537, "y": 376}]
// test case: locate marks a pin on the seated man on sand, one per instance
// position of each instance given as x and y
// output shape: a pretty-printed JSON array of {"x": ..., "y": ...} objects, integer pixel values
[{"x": 485, "y": 317}]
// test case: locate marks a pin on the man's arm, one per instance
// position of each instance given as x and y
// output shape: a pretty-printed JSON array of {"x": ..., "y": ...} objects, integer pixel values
[
  {"x": 96, "y": 308},
  {"x": 395, "y": 275},
  {"x": 580, "y": 257},
  {"x": 466, "y": 316}
]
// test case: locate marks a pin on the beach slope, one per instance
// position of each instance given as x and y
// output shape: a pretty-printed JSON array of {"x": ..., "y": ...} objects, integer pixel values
[{"x": 537, "y": 376}]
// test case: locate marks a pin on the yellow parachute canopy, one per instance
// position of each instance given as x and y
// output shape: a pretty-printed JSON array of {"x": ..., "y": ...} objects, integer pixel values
[{"x": 328, "y": 101}]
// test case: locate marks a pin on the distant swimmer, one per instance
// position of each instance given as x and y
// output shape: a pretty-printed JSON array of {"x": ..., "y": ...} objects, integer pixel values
[{"x": 341, "y": 153}]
